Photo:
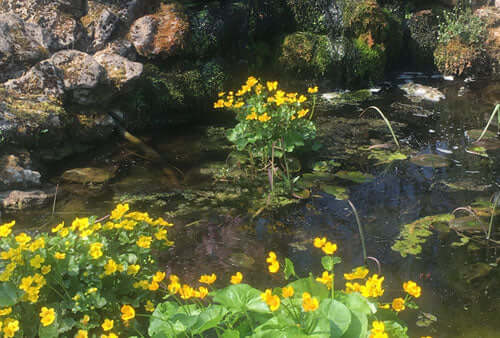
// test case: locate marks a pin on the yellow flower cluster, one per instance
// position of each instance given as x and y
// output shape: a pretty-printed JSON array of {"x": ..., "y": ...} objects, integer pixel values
[
  {"x": 273, "y": 301},
  {"x": 274, "y": 265},
  {"x": 47, "y": 316},
  {"x": 326, "y": 279},
  {"x": 9, "y": 327},
  {"x": 378, "y": 330},
  {"x": 328, "y": 247},
  {"x": 372, "y": 287},
  {"x": 412, "y": 289},
  {"x": 287, "y": 292},
  {"x": 6, "y": 229},
  {"x": 31, "y": 285},
  {"x": 309, "y": 303},
  {"x": 237, "y": 278},
  {"x": 358, "y": 273}
]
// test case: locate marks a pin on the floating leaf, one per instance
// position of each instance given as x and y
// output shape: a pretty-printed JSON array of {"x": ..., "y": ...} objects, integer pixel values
[
  {"x": 383, "y": 156},
  {"x": 475, "y": 271},
  {"x": 414, "y": 234},
  {"x": 340, "y": 193},
  {"x": 430, "y": 160},
  {"x": 355, "y": 176}
]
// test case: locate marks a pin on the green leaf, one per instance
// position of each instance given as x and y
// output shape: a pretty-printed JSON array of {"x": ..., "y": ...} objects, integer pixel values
[
  {"x": 358, "y": 326},
  {"x": 240, "y": 298},
  {"x": 327, "y": 262},
  {"x": 208, "y": 318},
  {"x": 73, "y": 267},
  {"x": 395, "y": 329},
  {"x": 338, "y": 315},
  {"x": 336, "y": 260},
  {"x": 356, "y": 302},
  {"x": 231, "y": 334},
  {"x": 289, "y": 269},
  {"x": 308, "y": 284},
  {"x": 9, "y": 294}
]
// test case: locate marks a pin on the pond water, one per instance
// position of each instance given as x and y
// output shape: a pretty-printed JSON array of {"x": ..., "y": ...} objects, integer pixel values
[{"x": 214, "y": 232}]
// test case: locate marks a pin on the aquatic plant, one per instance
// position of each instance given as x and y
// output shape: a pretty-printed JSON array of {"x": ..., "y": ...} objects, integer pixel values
[
  {"x": 309, "y": 306},
  {"x": 386, "y": 122},
  {"x": 90, "y": 277},
  {"x": 495, "y": 111},
  {"x": 271, "y": 123}
]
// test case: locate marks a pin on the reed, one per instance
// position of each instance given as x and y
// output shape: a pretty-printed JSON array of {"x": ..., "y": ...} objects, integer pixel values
[
  {"x": 495, "y": 111},
  {"x": 386, "y": 122}
]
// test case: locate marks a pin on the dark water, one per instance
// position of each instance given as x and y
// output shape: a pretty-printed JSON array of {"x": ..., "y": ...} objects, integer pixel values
[{"x": 217, "y": 239}]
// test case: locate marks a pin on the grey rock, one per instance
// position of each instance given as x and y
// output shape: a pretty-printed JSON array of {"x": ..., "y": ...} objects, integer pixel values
[
  {"x": 142, "y": 34},
  {"x": 418, "y": 92},
  {"x": 16, "y": 172},
  {"x": 120, "y": 71},
  {"x": 21, "y": 46},
  {"x": 17, "y": 200}
]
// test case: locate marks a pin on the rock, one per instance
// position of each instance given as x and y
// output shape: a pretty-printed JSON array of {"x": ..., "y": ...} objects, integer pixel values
[
  {"x": 119, "y": 70},
  {"x": 317, "y": 16},
  {"x": 21, "y": 46},
  {"x": 57, "y": 18},
  {"x": 307, "y": 55},
  {"x": 17, "y": 200},
  {"x": 410, "y": 109},
  {"x": 123, "y": 48},
  {"x": 420, "y": 92},
  {"x": 491, "y": 15},
  {"x": 88, "y": 175},
  {"x": 16, "y": 172},
  {"x": 104, "y": 28},
  {"x": 161, "y": 34}
]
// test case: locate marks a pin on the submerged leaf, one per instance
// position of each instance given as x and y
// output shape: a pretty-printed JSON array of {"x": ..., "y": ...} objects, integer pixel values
[
  {"x": 430, "y": 160},
  {"x": 355, "y": 176}
]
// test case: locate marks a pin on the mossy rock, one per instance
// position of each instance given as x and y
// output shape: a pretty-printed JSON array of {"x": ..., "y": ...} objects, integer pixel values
[
  {"x": 365, "y": 61},
  {"x": 316, "y": 16},
  {"x": 306, "y": 55}
]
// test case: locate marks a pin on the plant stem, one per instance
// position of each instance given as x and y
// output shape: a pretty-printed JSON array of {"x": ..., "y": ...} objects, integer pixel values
[
  {"x": 497, "y": 107},
  {"x": 360, "y": 229}
]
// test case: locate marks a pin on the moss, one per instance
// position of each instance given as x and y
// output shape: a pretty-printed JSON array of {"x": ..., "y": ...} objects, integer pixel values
[
  {"x": 307, "y": 55},
  {"x": 365, "y": 61},
  {"x": 310, "y": 16}
]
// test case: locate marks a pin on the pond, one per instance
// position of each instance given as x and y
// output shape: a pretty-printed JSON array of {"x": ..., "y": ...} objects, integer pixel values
[{"x": 218, "y": 229}]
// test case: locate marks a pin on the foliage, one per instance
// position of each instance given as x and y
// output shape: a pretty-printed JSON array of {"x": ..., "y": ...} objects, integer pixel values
[
  {"x": 81, "y": 276},
  {"x": 370, "y": 58},
  {"x": 271, "y": 122},
  {"x": 305, "y": 307},
  {"x": 310, "y": 15}
]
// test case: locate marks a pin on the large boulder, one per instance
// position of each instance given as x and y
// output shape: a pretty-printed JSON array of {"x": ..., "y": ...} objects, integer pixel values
[
  {"x": 120, "y": 71},
  {"x": 317, "y": 16},
  {"x": 21, "y": 46},
  {"x": 17, "y": 200},
  {"x": 16, "y": 171},
  {"x": 491, "y": 16},
  {"x": 161, "y": 34},
  {"x": 59, "y": 19}
]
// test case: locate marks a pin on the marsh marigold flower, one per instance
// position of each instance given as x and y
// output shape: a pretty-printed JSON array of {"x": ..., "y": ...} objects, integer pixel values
[
  {"x": 6, "y": 311},
  {"x": 59, "y": 255},
  {"x": 237, "y": 278},
  {"x": 202, "y": 292},
  {"x": 312, "y": 90},
  {"x": 358, "y": 273},
  {"x": 128, "y": 312},
  {"x": 95, "y": 250},
  {"x": 378, "y": 330},
  {"x": 326, "y": 279},
  {"x": 412, "y": 289},
  {"x": 82, "y": 334},
  {"x": 372, "y": 287},
  {"x": 133, "y": 269},
  {"x": 274, "y": 267},
  {"x": 273, "y": 301},
  {"x": 309, "y": 303},
  {"x": 10, "y": 327},
  {"x": 107, "y": 325},
  {"x": 208, "y": 279},
  {"x": 264, "y": 117},
  {"x": 149, "y": 307},
  {"x": 37, "y": 261},
  {"x": 319, "y": 242},
  {"x": 22, "y": 238},
  {"x": 186, "y": 292},
  {"x": 85, "y": 320},
  {"x": 110, "y": 335},
  {"x": 110, "y": 267},
  {"x": 272, "y": 85},
  {"x": 329, "y": 248},
  {"x": 119, "y": 211},
  {"x": 6, "y": 229},
  {"x": 287, "y": 291},
  {"x": 47, "y": 316},
  {"x": 144, "y": 242},
  {"x": 398, "y": 304}
]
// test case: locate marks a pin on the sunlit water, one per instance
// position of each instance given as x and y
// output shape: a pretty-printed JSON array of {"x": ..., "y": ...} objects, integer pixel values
[{"x": 401, "y": 193}]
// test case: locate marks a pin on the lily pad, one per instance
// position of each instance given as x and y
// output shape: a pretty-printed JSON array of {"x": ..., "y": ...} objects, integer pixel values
[
  {"x": 416, "y": 233},
  {"x": 426, "y": 319},
  {"x": 477, "y": 150},
  {"x": 383, "y": 156},
  {"x": 323, "y": 166},
  {"x": 340, "y": 193},
  {"x": 240, "y": 259},
  {"x": 430, "y": 160},
  {"x": 309, "y": 180},
  {"x": 355, "y": 176}
]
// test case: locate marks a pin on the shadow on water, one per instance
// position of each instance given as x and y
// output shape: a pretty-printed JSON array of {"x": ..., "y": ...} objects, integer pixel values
[{"x": 214, "y": 233}]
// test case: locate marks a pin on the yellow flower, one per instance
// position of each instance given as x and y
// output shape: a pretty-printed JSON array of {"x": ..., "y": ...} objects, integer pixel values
[
  {"x": 272, "y": 85},
  {"x": 378, "y": 330},
  {"x": 59, "y": 255},
  {"x": 319, "y": 242},
  {"x": 372, "y": 287},
  {"x": 412, "y": 289},
  {"x": 80, "y": 224},
  {"x": 47, "y": 316},
  {"x": 303, "y": 112},
  {"x": 133, "y": 269},
  {"x": 309, "y": 303},
  {"x": 6, "y": 311},
  {"x": 64, "y": 232},
  {"x": 186, "y": 292},
  {"x": 144, "y": 242},
  {"x": 174, "y": 278},
  {"x": 264, "y": 117},
  {"x": 107, "y": 325},
  {"x": 274, "y": 267},
  {"x": 91, "y": 290},
  {"x": 174, "y": 287},
  {"x": 237, "y": 278},
  {"x": 273, "y": 301},
  {"x": 350, "y": 287},
  {"x": 58, "y": 227},
  {"x": 251, "y": 81},
  {"x": 149, "y": 307},
  {"x": 95, "y": 250},
  {"x": 359, "y": 273},
  {"x": 119, "y": 211},
  {"x": 271, "y": 257},
  {"x": 10, "y": 327},
  {"x": 252, "y": 116},
  {"x": 208, "y": 279},
  {"x": 6, "y": 229},
  {"x": 153, "y": 286},
  {"x": 39, "y": 243},
  {"x": 287, "y": 292},
  {"x": 301, "y": 99},
  {"x": 161, "y": 222},
  {"x": 110, "y": 267},
  {"x": 85, "y": 319},
  {"x": 329, "y": 248},
  {"x": 398, "y": 304},
  {"x": 221, "y": 94},
  {"x": 326, "y": 279},
  {"x": 161, "y": 234},
  {"x": 110, "y": 335},
  {"x": 82, "y": 334},
  {"x": 22, "y": 238},
  {"x": 37, "y": 261},
  {"x": 312, "y": 90},
  {"x": 202, "y": 292},
  {"x": 128, "y": 312},
  {"x": 159, "y": 276}
]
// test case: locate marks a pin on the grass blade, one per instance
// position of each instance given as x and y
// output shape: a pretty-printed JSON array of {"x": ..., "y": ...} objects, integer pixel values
[
  {"x": 386, "y": 122},
  {"x": 497, "y": 107}
]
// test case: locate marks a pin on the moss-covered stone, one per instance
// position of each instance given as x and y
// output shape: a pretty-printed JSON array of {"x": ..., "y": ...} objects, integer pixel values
[
  {"x": 317, "y": 16},
  {"x": 307, "y": 55},
  {"x": 423, "y": 33},
  {"x": 365, "y": 61}
]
